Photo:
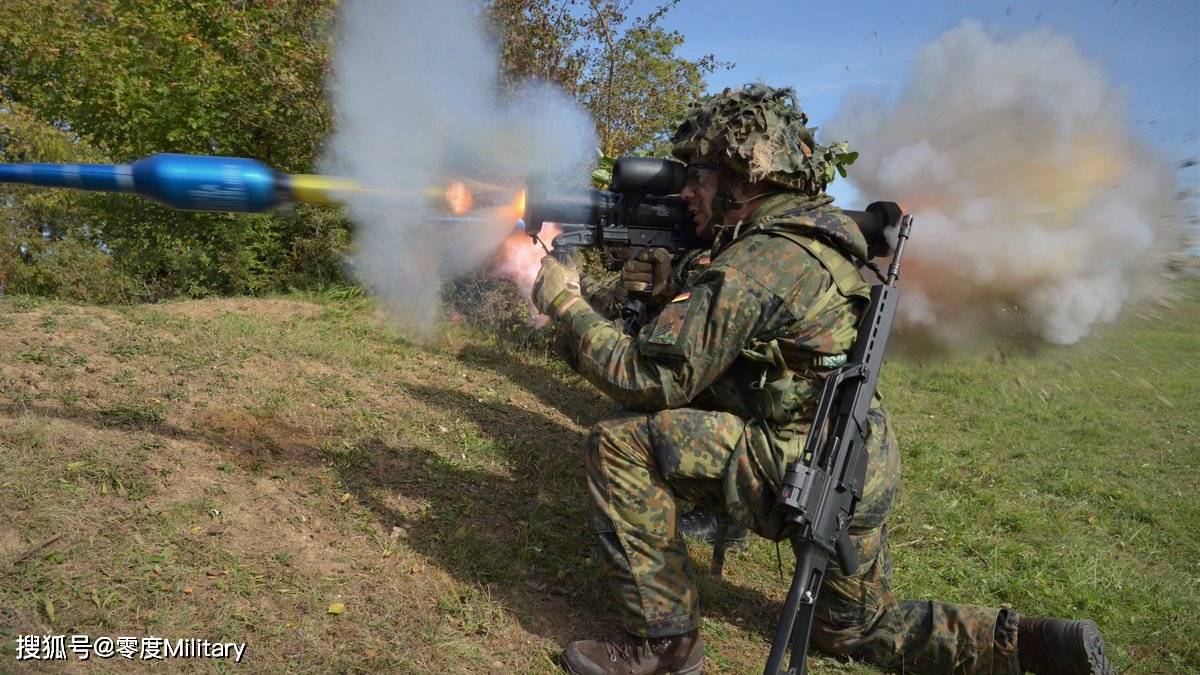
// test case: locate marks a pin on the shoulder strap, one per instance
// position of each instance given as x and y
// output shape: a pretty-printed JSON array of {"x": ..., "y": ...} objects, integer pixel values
[{"x": 846, "y": 277}]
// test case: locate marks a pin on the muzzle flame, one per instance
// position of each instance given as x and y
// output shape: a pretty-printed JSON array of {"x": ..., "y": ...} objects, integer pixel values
[
  {"x": 459, "y": 198},
  {"x": 520, "y": 258},
  {"x": 518, "y": 204}
]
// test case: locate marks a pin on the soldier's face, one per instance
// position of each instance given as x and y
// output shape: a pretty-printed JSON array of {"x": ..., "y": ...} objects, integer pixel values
[{"x": 698, "y": 192}]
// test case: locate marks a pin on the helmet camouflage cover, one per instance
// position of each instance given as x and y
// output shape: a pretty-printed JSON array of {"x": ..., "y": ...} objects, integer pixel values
[{"x": 760, "y": 132}]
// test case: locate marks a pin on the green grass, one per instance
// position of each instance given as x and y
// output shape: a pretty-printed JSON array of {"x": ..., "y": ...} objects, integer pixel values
[
  {"x": 230, "y": 468},
  {"x": 1064, "y": 484}
]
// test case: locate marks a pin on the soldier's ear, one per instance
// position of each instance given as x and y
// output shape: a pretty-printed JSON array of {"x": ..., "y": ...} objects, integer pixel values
[{"x": 739, "y": 189}]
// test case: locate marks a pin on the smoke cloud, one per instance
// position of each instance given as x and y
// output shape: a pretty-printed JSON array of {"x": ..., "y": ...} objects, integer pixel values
[
  {"x": 1036, "y": 211},
  {"x": 418, "y": 107}
]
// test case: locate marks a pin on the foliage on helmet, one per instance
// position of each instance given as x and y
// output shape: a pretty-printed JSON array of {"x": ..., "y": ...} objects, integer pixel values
[{"x": 760, "y": 132}]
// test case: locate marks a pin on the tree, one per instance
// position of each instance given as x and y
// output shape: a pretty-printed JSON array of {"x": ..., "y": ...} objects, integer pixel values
[
  {"x": 126, "y": 78},
  {"x": 143, "y": 76},
  {"x": 624, "y": 70},
  {"x": 538, "y": 39}
]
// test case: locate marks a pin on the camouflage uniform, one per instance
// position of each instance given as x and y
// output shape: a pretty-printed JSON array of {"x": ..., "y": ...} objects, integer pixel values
[{"x": 779, "y": 324}]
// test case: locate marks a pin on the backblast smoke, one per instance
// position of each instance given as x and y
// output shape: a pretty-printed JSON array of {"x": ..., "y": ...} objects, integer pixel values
[
  {"x": 1036, "y": 209},
  {"x": 418, "y": 111}
]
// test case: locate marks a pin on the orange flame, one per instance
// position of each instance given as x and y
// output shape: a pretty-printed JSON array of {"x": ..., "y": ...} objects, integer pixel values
[
  {"x": 459, "y": 198},
  {"x": 520, "y": 257},
  {"x": 518, "y": 204}
]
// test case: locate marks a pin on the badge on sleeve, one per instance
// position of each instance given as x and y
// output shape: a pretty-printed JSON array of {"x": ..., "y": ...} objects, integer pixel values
[{"x": 669, "y": 324}]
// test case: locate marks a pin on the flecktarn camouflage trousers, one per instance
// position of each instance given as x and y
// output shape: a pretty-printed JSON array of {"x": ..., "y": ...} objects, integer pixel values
[{"x": 638, "y": 467}]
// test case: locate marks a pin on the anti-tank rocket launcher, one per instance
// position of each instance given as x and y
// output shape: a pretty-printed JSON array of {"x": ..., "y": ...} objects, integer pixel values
[{"x": 642, "y": 209}]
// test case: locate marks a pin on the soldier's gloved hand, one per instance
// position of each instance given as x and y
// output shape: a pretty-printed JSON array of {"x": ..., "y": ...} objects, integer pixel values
[
  {"x": 556, "y": 288},
  {"x": 648, "y": 272}
]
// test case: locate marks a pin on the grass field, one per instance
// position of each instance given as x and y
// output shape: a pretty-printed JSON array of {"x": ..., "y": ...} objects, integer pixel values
[{"x": 230, "y": 469}]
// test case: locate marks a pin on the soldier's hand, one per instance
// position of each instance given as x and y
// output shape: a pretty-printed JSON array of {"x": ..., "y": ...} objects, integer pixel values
[
  {"x": 648, "y": 272},
  {"x": 556, "y": 287}
]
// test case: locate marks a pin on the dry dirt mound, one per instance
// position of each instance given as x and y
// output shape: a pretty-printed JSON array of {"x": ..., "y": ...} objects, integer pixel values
[{"x": 229, "y": 469}]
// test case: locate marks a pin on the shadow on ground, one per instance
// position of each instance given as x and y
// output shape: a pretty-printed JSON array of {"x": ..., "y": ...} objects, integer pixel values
[
  {"x": 526, "y": 536},
  {"x": 523, "y": 537},
  {"x": 583, "y": 405}
]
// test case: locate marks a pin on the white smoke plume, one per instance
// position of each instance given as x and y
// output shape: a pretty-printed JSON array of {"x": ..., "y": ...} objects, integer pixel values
[
  {"x": 1036, "y": 210},
  {"x": 417, "y": 107}
]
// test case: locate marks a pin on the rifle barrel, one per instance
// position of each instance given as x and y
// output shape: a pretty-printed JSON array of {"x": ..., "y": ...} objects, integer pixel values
[{"x": 901, "y": 237}]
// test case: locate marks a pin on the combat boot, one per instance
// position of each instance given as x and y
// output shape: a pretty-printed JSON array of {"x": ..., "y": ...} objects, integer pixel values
[
  {"x": 626, "y": 654},
  {"x": 700, "y": 525},
  {"x": 1061, "y": 647}
]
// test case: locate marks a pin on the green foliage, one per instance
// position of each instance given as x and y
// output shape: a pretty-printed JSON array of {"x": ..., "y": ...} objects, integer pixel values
[
  {"x": 48, "y": 238},
  {"x": 624, "y": 69},
  {"x": 602, "y": 175},
  {"x": 538, "y": 39},
  {"x": 843, "y": 157},
  {"x": 73, "y": 268},
  {"x": 114, "y": 80},
  {"x": 174, "y": 76},
  {"x": 636, "y": 86}
]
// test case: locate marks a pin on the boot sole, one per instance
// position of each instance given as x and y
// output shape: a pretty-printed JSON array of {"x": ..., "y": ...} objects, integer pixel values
[
  {"x": 1093, "y": 646},
  {"x": 697, "y": 669}
]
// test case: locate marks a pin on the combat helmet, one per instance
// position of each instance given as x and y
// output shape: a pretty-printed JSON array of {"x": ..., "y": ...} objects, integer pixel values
[{"x": 760, "y": 132}]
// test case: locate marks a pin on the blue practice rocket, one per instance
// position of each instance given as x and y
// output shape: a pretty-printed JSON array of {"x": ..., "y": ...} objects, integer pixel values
[{"x": 189, "y": 182}]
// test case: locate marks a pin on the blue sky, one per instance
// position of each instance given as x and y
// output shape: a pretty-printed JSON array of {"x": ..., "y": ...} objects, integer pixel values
[{"x": 1149, "y": 48}]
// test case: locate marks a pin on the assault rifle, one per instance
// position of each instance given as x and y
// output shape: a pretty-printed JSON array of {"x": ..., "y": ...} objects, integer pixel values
[{"x": 821, "y": 489}]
